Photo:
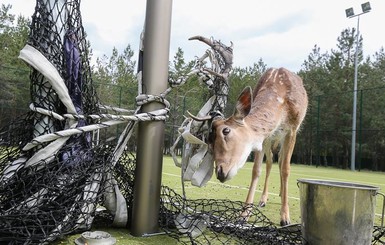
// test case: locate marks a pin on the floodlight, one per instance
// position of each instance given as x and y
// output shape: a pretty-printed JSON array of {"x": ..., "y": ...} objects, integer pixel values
[
  {"x": 349, "y": 12},
  {"x": 366, "y": 7}
]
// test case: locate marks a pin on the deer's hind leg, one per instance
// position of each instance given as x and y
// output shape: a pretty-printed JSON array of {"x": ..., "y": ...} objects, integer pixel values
[{"x": 286, "y": 152}]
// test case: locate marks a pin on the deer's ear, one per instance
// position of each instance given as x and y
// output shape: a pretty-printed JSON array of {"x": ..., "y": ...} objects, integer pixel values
[{"x": 243, "y": 105}]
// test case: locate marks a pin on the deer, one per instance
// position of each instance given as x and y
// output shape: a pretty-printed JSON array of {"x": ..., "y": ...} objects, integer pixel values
[{"x": 271, "y": 114}]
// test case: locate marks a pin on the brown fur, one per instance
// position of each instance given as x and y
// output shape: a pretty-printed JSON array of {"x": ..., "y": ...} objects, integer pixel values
[{"x": 273, "y": 113}]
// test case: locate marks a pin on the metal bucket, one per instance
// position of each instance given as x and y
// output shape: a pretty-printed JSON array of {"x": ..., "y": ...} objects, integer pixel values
[{"x": 336, "y": 212}]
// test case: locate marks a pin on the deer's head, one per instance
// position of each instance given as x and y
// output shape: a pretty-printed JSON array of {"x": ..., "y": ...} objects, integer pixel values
[{"x": 232, "y": 139}]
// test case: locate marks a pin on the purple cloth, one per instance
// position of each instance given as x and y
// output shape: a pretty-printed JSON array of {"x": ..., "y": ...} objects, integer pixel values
[
  {"x": 73, "y": 70},
  {"x": 79, "y": 144}
]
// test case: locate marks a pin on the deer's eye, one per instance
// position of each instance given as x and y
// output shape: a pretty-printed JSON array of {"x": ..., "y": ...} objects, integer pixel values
[{"x": 225, "y": 131}]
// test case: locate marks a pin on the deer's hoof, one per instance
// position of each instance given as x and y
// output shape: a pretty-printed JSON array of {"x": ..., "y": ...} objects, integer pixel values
[
  {"x": 261, "y": 204},
  {"x": 285, "y": 222},
  {"x": 245, "y": 215}
]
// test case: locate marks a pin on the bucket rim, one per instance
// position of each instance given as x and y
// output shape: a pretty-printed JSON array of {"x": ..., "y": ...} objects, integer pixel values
[{"x": 342, "y": 184}]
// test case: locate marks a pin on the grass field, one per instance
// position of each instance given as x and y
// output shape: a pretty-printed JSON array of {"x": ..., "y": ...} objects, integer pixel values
[{"x": 236, "y": 189}]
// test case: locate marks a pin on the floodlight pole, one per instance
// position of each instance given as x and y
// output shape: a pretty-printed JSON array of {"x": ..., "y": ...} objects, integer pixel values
[
  {"x": 148, "y": 172},
  {"x": 350, "y": 14},
  {"x": 354, "y": 120}
]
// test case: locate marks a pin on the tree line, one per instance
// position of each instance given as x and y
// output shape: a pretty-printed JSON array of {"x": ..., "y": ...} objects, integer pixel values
[{"x": 325, "y": 137}]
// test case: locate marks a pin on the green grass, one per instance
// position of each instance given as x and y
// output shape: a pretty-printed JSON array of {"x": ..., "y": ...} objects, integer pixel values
[{"x": 236, "y": 189}]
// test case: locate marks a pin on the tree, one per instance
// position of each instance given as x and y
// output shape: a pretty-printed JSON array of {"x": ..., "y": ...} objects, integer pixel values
[
  {"x": 13, "y": 37},
  {"x": 371, "y": 124},
  {"x": 242, "y": 77},
  {"x": 179, "y": 96},
  {"x": 14, "y": 81},
  {"x": 328, "y": 78},
  {"x": 115, "y": 78}
]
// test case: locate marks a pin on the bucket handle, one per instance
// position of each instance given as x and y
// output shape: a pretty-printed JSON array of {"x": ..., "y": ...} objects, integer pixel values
[{"x": 383, "y": 209}]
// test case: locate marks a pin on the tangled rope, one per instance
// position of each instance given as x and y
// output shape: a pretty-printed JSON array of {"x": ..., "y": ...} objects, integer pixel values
[{"x": 53, "y": 173}]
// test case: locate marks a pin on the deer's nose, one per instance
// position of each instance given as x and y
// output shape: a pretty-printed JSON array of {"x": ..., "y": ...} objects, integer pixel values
[{"x": 220, "y": 175}]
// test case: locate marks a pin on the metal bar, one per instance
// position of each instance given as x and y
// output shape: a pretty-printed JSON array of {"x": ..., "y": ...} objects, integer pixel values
[
  {"x": 148, "y": 172},
  {"x": 383, "y": 210}
]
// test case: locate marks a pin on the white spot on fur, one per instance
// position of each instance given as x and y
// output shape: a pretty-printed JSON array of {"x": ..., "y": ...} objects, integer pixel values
[
  {"x": 280, "y": 100},
  {"x": 271, "y": 74},
  {"x": 258, "y": 145}
]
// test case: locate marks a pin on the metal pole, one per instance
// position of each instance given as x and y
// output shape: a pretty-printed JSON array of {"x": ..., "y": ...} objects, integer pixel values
[
  {"x": 148, "y": 172},
  {"x": 354, "y": 123},
  {"x": 360, "y": 132},
  {"x": 318, "y": 130}
]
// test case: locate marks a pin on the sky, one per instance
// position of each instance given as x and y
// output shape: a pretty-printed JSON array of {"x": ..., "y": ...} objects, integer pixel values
[{"x": 282, "y": 33}]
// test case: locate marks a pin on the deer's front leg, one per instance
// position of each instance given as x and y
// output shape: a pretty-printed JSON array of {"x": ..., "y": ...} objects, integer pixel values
[
  {"x": 286, "y": 151},
  {"x": 269, "y": 163},
  {"x": 256, "y": 173}
]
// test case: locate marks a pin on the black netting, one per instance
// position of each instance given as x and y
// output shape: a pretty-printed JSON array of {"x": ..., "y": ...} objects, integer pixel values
[
  {"x": 52, "y": 198},
  {"x": 205, "y": 221},
  {"x": 378, "y": 235},
  {"x": 60, "y": 172}
]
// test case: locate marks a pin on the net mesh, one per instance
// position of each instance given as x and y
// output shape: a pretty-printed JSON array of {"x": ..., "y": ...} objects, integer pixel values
[{"x": 59, "y": 174}]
